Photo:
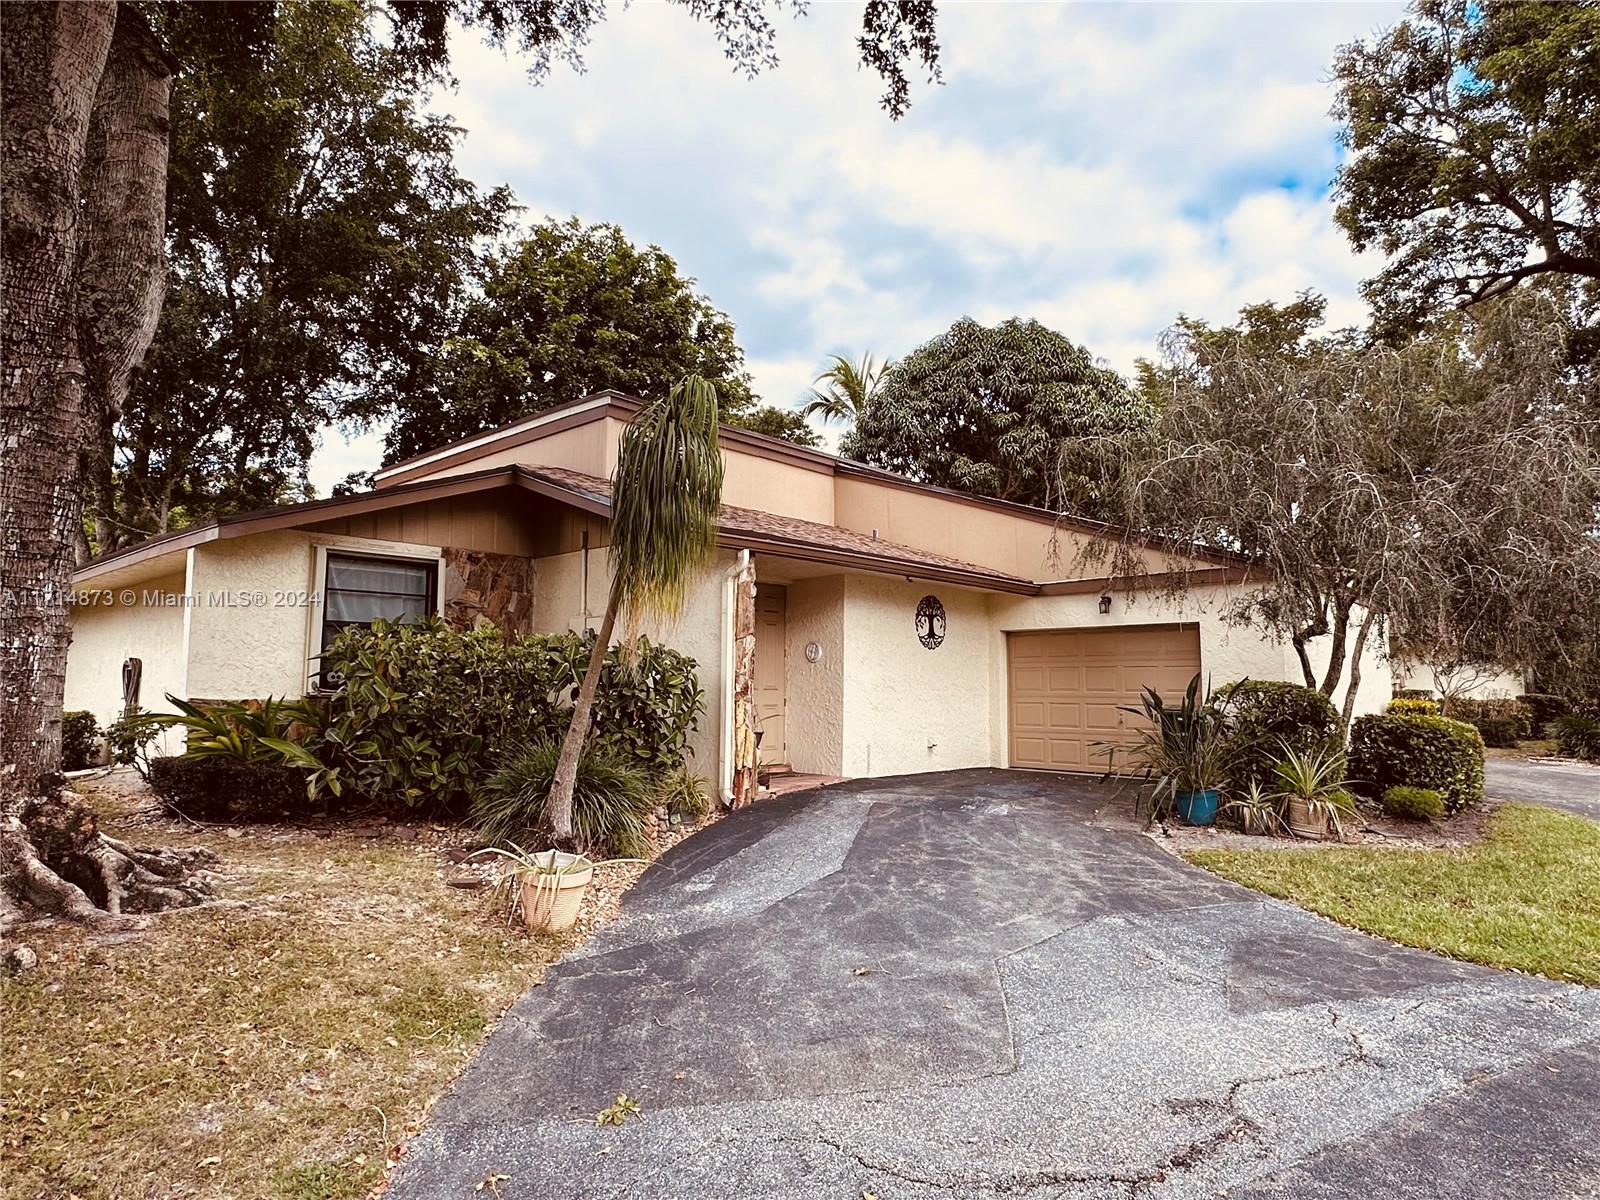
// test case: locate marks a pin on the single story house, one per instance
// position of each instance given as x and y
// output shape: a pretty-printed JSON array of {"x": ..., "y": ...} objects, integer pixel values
[{"x": 861, "y": 623}]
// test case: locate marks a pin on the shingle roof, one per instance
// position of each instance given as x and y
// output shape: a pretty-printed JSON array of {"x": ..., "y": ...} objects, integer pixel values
[{"x": 781, "y": 531}]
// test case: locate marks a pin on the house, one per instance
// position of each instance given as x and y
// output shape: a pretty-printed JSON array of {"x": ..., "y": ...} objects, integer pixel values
[{"x": 854, "y": 622}]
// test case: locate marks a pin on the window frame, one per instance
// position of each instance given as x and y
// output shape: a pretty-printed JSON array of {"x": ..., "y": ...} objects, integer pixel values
[{"x": 433, "y": 557}]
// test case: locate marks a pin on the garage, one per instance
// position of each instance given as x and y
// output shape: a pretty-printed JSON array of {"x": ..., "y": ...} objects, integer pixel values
[{"x": 1065, "y": 687}]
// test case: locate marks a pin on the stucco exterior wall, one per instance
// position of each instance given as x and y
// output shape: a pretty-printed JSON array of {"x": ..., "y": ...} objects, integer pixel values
[
  {"x": 104, "y": 634},
  {"x": 239, "y": 644},
  {"x": 1484, "y": 683},
  {"x": 908, "y": 708},
  {"x": 698, "y": 631},
  {"x": 751, "y": 481},
  {"x": 814, "y": 724}
]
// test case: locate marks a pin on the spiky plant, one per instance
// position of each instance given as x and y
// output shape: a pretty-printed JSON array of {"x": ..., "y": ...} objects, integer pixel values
[
  {"x": 610, "y": 801},
  {"x": 665, "y": 494}
]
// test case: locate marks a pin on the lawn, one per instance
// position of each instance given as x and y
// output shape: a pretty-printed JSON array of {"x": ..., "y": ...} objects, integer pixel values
[
  {"x": 1527, "y": 896},
  {"x": 280, "y": 1049}
]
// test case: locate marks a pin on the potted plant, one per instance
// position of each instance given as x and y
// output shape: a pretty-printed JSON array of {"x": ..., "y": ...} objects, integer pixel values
[
  {"x": 1311, "y": 787},
  {"x": 547, "y": 885},
  {"x": 1178, "y": 752}
]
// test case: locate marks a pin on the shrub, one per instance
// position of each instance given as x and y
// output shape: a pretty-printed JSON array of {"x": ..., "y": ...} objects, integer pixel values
[
  {"x": 1413, "y": 803},
  {"x": 1543, "y": 709},
  {"x": 129, "y": 737},
  {"x": 1502, "y": 722},
  {"x": 610, "y": 803},
  {"x": 217, "y": 788},
  {"x": 79, "y": 737},
  {"x": 686, "y": 794},
  {"x": 420, "y": 710},
  {"x": 1266, "y": 717},
  {"x": 1413, "y": 706},
  {"x": 1417, "y": 751},
  {"x": 1413, "y": 694},
  {"x": 1578, "y": 735}
]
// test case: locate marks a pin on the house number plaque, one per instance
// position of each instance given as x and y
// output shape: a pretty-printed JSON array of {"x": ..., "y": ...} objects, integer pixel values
[{"x": 930, "y": 622}]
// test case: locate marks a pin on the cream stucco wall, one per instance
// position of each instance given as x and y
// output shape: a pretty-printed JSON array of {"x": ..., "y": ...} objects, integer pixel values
[
  {"x": 1468, "y": 683},
  {"x": 107, "y": 631},
  {"x": 699, "y": 630},
  {"x": 814, "y": 722},
  {"x": 908, "y": 708},
  {"x": 753, "y": 481}
]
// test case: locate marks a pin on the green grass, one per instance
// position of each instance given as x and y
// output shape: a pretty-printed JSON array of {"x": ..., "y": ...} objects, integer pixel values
[{"x": 1527, "y": 896}]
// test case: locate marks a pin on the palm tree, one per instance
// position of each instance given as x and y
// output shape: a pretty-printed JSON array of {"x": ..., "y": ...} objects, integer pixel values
[
  {"x": 849, "y": 388},
  {"x": 665, "y": 494}
]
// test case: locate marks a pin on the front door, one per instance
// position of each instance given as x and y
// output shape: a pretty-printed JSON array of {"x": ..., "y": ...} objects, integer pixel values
[{"x": 770, "y": 672}]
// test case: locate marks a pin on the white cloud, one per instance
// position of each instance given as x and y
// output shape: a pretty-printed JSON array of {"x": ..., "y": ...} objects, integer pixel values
[{"x": 1101, "y": 167}]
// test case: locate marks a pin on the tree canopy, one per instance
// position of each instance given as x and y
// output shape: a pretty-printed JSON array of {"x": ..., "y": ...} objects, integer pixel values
[
  {"x": 786, "y": 423},
  {"x": 1448, "y": 487},
  {"x": 1475, "y": 127},
  {"x": 568, "y": 310},
  {"x": 982, "y": 409},
  {"x": 319, "y": 235}
]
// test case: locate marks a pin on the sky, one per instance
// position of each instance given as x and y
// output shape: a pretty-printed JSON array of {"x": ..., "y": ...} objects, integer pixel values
[{"x": 1100, "y": 167}]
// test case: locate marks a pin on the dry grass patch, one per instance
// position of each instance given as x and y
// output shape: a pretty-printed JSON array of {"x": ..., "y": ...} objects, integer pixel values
[{"x": 279, "y": 1049}]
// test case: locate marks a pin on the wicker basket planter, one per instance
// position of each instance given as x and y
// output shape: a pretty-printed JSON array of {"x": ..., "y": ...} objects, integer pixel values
[{"x": 550, "y": 897}]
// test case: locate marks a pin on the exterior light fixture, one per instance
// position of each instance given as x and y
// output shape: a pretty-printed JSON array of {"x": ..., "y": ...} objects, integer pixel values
[{"x": 1105, "y": 603}]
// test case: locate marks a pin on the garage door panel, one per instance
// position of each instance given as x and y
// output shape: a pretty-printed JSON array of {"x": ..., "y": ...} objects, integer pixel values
[{"x": 1067, "y": 687}]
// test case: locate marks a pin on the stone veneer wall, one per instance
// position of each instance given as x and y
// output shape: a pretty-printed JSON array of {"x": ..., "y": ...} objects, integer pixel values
[
  {"x": 744, "y": 674},
  {"x": 481, "y": 588}
]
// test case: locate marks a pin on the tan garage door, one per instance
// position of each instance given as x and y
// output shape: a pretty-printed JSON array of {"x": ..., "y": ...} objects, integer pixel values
[{"x": 1066, "y": 686}]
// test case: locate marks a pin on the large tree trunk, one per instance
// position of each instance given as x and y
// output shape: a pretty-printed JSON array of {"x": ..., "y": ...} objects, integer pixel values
[
  {"x": 558, "y": 805},
  {"x": 85, "y": 89}
]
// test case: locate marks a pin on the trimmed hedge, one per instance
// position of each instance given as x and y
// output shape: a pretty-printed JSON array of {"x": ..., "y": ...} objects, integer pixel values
[
  {"x": 1413, "y": 706},
  {"x": 1545, "y": 708},
  {"x": 1390, "y": 749},
  {"x": 1578, "y": 734},
  {"x": 1503, "y": 722},
  {"x": 221, "y": 789},
  {"x": 80, "y": 736},
  {"x": 1413, "y": 803},
  {"x": 1262, "y": 714}
]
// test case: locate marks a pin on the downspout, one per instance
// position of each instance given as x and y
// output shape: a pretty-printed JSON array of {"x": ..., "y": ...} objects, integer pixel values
[{"x": 730, "y": 610}]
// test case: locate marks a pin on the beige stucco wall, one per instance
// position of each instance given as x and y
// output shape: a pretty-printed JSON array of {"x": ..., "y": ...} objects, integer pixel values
[
  {"x": 699, "y": 630},
  {"x": 590, "y": 448},
  {"x": 248, "y": 619},
  {"x": 751, "y": 481},
  {"x": 107, "y": 631},
  {"x": 1468, "y": 683},
  {"x": 814, "y": 723},
  {"x": 908, "y": 708}
]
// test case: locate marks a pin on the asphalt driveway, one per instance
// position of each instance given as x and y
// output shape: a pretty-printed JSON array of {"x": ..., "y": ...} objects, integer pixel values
[
  {"x": 962, "y": 986},
  {"x": 1574, "y": 786}
]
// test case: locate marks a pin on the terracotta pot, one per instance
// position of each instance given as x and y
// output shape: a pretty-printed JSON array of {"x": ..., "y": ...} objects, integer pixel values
[
  {"x": 1304, "y": 823},
  {"x": 547, "y": 909}
]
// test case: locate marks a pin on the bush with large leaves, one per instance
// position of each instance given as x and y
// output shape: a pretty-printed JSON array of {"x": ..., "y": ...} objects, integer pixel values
[{"x": 421, "y": 711}]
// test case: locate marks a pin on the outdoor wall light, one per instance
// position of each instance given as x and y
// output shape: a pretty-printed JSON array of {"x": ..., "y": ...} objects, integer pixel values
[{"x": 1105, "y": 603}]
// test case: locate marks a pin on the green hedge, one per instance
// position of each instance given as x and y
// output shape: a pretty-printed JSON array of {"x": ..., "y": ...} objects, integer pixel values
[
  {"x": 1578, "y": 733},
  {"x": 1438, "y": 753},
  {"x": 1413, "y": 803},
  {"x": 1502, "y": 722},
  {"x": 1262, "y": 715},
  {"x": 80, "y": 736},
  {"x": 422, "y": 713},
  {"x": 222, "y": 789}
]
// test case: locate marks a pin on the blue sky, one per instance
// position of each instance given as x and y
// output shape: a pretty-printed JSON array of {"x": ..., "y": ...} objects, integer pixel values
[{"x": 1100, "y": 167}]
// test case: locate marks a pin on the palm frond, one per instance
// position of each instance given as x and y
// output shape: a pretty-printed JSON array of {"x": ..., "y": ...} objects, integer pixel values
[{"x": 665, "y": 495}]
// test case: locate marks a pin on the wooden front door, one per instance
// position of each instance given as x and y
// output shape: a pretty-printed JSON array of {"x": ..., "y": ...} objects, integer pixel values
[{"x": 771, "y": 669}]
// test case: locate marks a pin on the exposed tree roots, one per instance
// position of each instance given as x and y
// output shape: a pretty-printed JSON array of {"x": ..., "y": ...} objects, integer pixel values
[{"x": 56, "y": 862}]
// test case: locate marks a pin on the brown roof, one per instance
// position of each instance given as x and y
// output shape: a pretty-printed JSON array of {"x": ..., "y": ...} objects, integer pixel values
[{"x": 790, "y": 535}]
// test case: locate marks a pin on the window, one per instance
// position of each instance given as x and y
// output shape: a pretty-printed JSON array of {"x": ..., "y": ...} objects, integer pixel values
[{"x": 358, "y": 590}]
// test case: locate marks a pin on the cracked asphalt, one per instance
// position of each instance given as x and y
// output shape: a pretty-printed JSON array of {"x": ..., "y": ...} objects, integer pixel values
[{"x": 960, "y": 985}]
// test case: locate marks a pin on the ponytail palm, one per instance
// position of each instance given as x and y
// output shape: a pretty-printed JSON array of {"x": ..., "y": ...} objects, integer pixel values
[{"x": 665, "y": 494}]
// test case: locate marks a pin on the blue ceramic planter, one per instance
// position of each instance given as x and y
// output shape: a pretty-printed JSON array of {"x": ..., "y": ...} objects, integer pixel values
[{"x": 1198, "y": 808}]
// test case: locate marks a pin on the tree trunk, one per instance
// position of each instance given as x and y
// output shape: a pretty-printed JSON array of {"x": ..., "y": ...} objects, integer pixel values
[
  {"x": 1341, "y": 635},
  {"x": 558, "y": 806},
  {"x": 1356, "y": 651},
  {"x": 84, "y": 89}
]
